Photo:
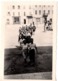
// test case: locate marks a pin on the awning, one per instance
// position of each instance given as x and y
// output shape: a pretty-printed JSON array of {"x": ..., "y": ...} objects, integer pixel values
[{"x": 29, "y": 17}]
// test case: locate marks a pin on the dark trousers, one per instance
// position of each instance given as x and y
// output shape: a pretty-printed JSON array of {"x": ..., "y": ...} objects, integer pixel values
[{"x": 32, "y": 55}]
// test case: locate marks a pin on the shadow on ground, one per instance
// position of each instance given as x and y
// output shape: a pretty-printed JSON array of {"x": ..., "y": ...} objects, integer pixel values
[{"x": 14, "y": 63}]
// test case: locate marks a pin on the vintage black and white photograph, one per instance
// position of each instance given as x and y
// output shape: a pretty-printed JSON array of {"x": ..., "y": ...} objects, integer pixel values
[{"x": 28, "y": 49}]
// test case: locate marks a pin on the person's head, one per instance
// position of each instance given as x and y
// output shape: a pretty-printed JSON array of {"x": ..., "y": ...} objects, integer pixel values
[
  {"x": 19, "y": 30},
  {"x": 51, "y": 19}
]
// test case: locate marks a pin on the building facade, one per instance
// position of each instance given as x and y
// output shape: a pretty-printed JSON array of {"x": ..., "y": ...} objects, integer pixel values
[{"x": 24, "y": 15}]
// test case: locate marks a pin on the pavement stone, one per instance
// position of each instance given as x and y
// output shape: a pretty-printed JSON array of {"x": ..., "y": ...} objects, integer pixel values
[{"x": 40, "y": 75}]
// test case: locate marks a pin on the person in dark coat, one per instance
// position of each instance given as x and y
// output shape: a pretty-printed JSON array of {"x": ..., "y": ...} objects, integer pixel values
[
  {"x": 31, "y": 53},
  {"x": 45, "y": 19}
]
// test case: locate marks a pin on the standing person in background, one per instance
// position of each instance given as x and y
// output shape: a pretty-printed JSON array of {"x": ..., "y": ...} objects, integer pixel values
[
  {"x": 30, "y": 29},
  {"x": 45, "y": 19},
  {"x": 34, "y": 27}
]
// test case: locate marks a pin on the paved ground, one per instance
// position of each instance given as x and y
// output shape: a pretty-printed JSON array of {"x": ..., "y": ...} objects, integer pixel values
[
  {"x": 14, "y": 62},
  {"x": 40, "y": 76},
  {"x": 41, "y": 38}
]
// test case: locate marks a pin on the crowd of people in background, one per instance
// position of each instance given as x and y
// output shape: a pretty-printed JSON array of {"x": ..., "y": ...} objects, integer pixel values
[{"x": 47, "y": 23}]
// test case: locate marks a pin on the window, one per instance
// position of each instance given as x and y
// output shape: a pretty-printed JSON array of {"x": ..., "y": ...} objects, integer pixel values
[
  {"x": 35, "y": 5},
  {"x": 7, "y": 19},
  {"x": 16, "y": 20},
  {"x": 43, "y": 5},
  {"x": 40, "y": 12},
  {"x": 48, "y": 11},
  {"x": 18, "y": 7},
  {"x": 24, "y": 21},
  {"x": 24, "y": 14},
  {"x": 8, "y": 13},
  {"x": 35, "y": 11},
  {"x": 13, "y": 7}
]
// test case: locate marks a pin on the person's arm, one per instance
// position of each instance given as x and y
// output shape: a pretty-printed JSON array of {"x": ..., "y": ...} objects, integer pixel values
[{"x": 36, "y": 49}]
